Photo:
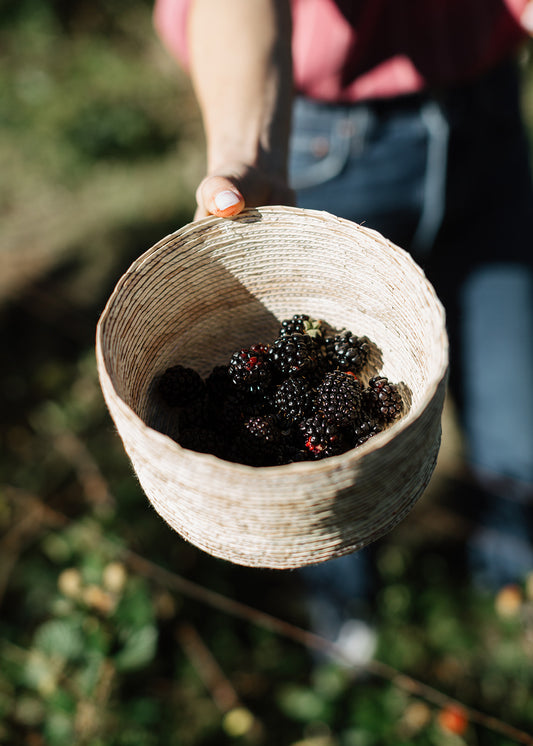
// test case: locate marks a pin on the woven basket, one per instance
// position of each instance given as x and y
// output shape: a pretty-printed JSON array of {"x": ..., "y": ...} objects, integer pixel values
[{"x": 228, "y": 283}]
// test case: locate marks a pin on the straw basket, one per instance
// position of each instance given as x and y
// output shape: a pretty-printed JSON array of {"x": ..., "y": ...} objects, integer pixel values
[{"x": 218, "y": 284}]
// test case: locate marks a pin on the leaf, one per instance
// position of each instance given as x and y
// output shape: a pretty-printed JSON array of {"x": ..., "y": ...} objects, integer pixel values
[
  {"x": 139, "y": 649},
  {"x": 303, "y": 704},
  {"x": 40, "y": 674},
  {"x": 135, "y": 608},
  {"x": 59, "y": 729},
  {"x": 60, "y": 637}
]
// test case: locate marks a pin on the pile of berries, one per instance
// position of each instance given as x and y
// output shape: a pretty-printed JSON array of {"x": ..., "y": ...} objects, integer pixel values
[{"x": 299, "y": 398}]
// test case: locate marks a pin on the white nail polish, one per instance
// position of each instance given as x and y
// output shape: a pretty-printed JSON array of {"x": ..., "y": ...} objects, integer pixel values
[{"x": 226, "y": 199}]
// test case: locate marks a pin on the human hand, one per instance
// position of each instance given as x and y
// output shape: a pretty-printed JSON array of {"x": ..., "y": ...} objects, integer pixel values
[{"x": 226, "y": 192}]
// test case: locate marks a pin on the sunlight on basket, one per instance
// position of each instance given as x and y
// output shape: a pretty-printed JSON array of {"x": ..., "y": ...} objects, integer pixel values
[{"x": 219, "y": 284}]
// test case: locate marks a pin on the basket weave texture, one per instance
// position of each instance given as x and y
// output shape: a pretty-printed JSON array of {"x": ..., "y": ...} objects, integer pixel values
[{"x": 216, "y": 285}]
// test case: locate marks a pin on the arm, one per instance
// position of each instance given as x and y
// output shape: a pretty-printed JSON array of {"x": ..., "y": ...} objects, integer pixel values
[{"x": 240, "y": 64}]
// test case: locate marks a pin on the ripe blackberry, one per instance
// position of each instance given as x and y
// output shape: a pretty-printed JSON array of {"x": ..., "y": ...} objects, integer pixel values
[
  {"x": 327, "y": 357},
  {"x": 201, "y": 439},
  {"x": 292, "y": 400},
  {"x": 237, "y": 406},
  {"x": 196, "y": 414},
  {"x": 293, "y": 355},
  {"x": 351, "y": 352},
  {"x": 218, "y": 382},
  {"x": 263, "y": 429},
  {"x": 250, "y": 368},
  {"x": 294, "y": 325},
  {"x": 338, "y": 397},
  {"x": 365, "y": 430},
  {"x": 322, "y": 437},
  {"x": 180, "y": 385},
  {"x": 258, "y": 443},
  {"x": 383, "y": 399},
  {"x": 291, "y": 453}
]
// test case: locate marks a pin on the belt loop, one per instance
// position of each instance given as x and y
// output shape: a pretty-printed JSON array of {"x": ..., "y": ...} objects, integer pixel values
[{"x": 359, "y": 123}]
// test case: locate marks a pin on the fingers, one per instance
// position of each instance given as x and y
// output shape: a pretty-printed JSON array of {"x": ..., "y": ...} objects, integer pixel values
[{"x": 217, "y": 195}]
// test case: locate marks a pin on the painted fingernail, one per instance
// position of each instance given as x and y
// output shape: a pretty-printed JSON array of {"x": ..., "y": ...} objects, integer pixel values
[{"x": 226, "y": 199}]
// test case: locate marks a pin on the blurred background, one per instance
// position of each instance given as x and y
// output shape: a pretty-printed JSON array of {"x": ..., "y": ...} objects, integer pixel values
[{"x": 108, "y": 635}]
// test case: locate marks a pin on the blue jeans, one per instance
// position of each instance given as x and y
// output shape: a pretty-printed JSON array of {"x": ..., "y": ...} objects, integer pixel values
[{"x": 446, "y": 176}]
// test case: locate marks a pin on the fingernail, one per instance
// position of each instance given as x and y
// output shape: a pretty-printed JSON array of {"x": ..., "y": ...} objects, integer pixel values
[{"x": 226, "y": 199}]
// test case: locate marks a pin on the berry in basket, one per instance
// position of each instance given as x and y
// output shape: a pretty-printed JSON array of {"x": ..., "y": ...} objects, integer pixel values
[{"x": 298, "y": 398}]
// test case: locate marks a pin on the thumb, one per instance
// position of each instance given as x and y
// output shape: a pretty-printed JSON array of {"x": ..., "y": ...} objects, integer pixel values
[{"x": 219, "y": 196}]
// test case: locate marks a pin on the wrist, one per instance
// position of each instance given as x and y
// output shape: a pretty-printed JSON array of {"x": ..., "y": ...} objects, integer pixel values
[{"x": 270, "y": 161}]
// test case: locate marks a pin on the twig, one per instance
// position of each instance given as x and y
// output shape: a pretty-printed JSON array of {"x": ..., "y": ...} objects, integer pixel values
[
  {"x": 21, "y": 532},
  {"x": 224, "y": 695},
  {"x": 91, "y": 479}
]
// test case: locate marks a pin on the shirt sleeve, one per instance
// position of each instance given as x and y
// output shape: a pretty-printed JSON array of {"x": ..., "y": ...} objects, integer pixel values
[{"x": 170, "y": 22}]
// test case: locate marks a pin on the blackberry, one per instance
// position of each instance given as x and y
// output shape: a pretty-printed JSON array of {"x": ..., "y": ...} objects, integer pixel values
[
  {"x": 263, "y": 429},
  {"x": 258, "y": 443},
  {"x": 291, "y": 452},
  {"x": 338, "y": 397},
  {"x": 383, "y": 399},
  {"x": 218, "y": 382},
  {"x": 322, "y": 437},
  {"x": 365, "y": 430},
  {"x": 327, "y": 357},
  {"x": 180, "y": 385},
  {"x": 293, "y": 355},
  {"x": 250, "y": 368},
  {"x": 292, "y": 400},
  {"x": 294, "y": 325},
  {"x": 351, "y": 352},
  {"x": 201, "y": 439},
  {"x": 237, "y": 406},
  {"x": 195, "y": 415}
]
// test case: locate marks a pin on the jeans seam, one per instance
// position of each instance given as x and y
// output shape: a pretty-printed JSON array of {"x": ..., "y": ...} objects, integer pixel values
[{"x": 434, "y": 197}]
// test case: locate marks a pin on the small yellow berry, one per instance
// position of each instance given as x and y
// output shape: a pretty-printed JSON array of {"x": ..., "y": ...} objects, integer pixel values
[
  {"x": 508, "y": 601},
  {"x": 69, "y": 582}
]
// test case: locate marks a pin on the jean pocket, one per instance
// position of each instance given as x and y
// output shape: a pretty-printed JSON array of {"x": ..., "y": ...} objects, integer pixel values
[
  {"x": 315, "y": 160},
  {"x": 320, "y": 145}
]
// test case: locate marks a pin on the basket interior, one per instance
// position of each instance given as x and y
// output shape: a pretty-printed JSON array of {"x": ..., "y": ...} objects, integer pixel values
[{"x": 218, "y": 285}]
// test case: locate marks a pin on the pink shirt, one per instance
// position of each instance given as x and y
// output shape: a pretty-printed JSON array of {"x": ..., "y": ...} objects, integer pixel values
[{"x": 352, "y": 50}]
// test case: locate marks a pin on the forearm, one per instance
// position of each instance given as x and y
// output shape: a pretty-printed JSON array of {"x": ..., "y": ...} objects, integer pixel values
[{"x": 240, "y": 61}]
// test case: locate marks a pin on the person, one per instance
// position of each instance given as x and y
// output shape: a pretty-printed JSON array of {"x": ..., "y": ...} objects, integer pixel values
[{"x": 404, "y": 116}]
